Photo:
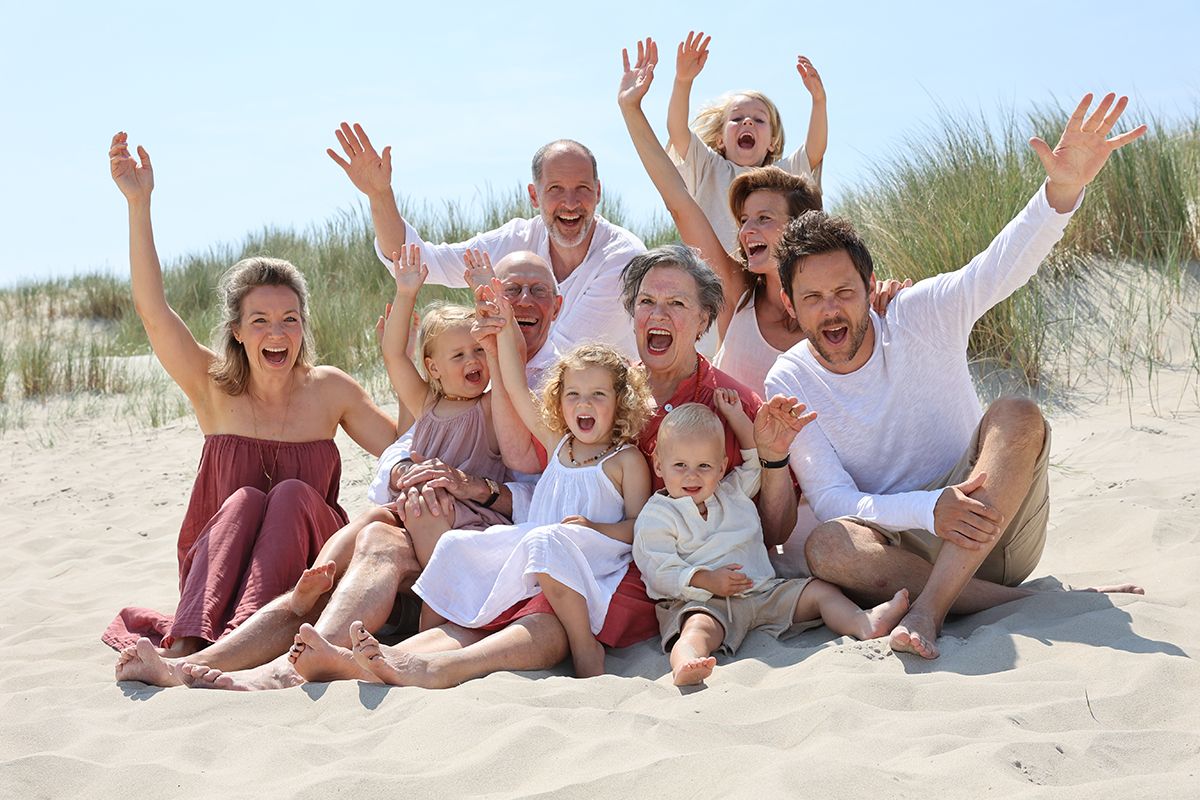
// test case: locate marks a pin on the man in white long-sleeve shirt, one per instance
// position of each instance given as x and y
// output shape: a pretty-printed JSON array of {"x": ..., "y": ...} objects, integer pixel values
[
  {"x": 585, "y": 251},
  {"x": 918, "y": 485}
]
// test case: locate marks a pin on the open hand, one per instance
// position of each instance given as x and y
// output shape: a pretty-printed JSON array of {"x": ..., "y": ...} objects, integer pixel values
[
  {"x": 1083, "y": 149},
  {"x": 776, "y": 425},
  {"x": 370, "y": 172},
  {"x": 635, "y": 82},
  {"x": 811, "y": 78},
  {"x": 135, "y": 180},
  {"x": 692, "y": 54},
  {"x": 963, "y": 520},
  {"x": 478, "y": 268},
  {"x": 410, "y": 271}
]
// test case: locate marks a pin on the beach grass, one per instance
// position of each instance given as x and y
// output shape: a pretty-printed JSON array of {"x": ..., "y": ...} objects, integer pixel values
[{"x": 926, "y": 208}]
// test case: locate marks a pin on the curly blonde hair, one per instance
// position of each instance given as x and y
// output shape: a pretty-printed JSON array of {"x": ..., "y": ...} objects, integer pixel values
[
  {"x": 710, "y": 120},
  {"x": 629, "y": 384},
  {"x": 437, "y": 319}
]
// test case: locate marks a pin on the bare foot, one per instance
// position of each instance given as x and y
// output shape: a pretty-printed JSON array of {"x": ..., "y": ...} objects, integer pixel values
[
  {"x": 394, "y": 668},
  {"x": 884, "y": 617},
  {"x": 588, "y": 659},
  {"x": 315, "y": 659},
  {"x": 916, "y": 633},
  {"x": 693, "y": 671},
  {"x": 278, "y": 674},
  {"x": 141, "y": 662},
  {"x": 314, "y": 582}
]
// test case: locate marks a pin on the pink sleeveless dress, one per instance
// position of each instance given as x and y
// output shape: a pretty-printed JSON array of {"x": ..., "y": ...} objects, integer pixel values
[
  {"x": 461, "y": 441},
  {"x": 245, "y": 538}
]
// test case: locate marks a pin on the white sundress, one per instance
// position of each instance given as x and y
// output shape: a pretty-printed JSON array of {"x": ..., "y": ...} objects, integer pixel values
[{"x": 474, "y": 576}]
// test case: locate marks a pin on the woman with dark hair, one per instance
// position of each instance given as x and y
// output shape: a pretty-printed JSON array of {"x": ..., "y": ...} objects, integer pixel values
[{"x": 266, "y": 494}]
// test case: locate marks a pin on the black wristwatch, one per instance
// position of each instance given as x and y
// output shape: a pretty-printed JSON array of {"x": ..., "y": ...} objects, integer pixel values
[
  {"x": 494, "y": 488},
  {"x": 783, "y": 462}
]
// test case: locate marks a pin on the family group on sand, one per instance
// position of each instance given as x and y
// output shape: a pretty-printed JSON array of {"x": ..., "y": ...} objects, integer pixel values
[{"x": 569, "y": 471}]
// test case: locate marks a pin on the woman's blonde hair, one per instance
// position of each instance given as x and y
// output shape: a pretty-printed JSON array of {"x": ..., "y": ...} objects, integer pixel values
[
  {"x": 231, "y": 369},
  {"x": 710, "y": 122},
  {"x": 629, "y": 383},
  {"x": 437, "y": 319}
]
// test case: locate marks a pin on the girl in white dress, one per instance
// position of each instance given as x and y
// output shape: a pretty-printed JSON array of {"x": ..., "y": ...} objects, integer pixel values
[{"x": 577, "y": 542}]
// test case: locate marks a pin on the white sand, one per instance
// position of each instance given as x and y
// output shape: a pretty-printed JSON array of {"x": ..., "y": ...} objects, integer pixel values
[{"x": 1060, "y": 696}]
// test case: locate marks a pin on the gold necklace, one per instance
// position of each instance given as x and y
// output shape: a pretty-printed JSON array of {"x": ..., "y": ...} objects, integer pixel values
[
  {"x": 571, "y": 452},
  {"x": 258, "y": 441}
]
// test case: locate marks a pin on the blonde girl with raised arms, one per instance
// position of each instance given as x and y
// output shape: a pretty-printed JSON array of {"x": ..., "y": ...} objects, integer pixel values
[
  {"x": 735, "y": 133},
  {"x": 576, "y": 545},
  {"x": 445, "y": 388}
]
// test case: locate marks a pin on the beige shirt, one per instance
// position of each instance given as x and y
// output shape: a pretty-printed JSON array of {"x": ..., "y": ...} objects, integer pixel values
[{"x": 707, "y": 175}]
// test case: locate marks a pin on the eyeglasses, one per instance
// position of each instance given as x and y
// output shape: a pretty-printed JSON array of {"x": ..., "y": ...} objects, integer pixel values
[{"x": 538, "y": 291}]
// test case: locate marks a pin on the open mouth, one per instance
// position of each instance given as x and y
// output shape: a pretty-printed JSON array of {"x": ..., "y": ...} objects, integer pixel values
[
  {"x": 754, "y": 248},
  {"x": 527, "y": 322},
  {"x": 570, "y": 220},
  {"x": 691, "y": 489},
  {"x": 586, "y": 423},
  {"x": 474, "y": 376},
  {"x": 745, "y": 140},
  {"x": 275, "y": 356},
  {"x": 835, "y": 336},
  {"x": 659, "y": 340}
]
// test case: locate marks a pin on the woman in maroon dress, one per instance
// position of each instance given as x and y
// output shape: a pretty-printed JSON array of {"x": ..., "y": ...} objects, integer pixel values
[{"x": 266, "y": 495}]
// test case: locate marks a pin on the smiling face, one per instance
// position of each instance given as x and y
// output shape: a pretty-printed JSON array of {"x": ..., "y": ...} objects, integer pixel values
[
  {"x": 691, "y": 464},
  {"x": 457, "y": 362},
  {"x": 530, "y": 288},
  {"x": 589, "y": 403},
  {"x": 746, "y": 136},
  {"x": 831, "y": 304},
  {"x": 668, "y": 320},
  {"x": 567, "y": 195},
  {"x": 270, "y": 328},
  {"x": 763, "y": 218}
]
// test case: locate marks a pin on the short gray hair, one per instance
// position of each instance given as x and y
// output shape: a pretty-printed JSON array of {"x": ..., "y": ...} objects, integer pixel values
[
  {"x": 539, "y": 158},
  {"x": 680, "y": 257}
]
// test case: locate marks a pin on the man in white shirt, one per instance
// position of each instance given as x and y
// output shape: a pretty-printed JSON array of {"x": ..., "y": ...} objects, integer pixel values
[
  {"x": 916, "y": 486},
  {"x": 585, "y": 251}
]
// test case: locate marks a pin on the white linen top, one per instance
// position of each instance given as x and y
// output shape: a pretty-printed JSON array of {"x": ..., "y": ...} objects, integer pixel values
[
  {"x": 591, "y": 306},
  {"x": 671, "y": 541},
  {"x": 905, "y": 418}
]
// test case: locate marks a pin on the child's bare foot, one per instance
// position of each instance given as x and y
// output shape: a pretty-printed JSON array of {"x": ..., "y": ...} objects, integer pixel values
[
  {"x": 917, "y": 633},
  {"x": 317, "y": 660},
  {"x": 142, "y": 662},
  {"x": 588, "y": 659},
  {"x": 693, "y": 671},
  {"x": 314, "y": 582},
  {"x": 883, "y": 618}
]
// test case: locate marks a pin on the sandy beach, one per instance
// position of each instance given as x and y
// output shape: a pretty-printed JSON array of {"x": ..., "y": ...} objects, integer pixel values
[{"x": 1063, "y": 695}]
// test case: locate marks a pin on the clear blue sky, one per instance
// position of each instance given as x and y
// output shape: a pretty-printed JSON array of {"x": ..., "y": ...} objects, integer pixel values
[{"x": 237, "y": 102}]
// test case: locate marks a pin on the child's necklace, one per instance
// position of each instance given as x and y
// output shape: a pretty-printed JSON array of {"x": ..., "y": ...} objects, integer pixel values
[{"x": 571, "y": 452}]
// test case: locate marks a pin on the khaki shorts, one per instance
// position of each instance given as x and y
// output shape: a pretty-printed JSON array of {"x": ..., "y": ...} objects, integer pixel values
[
  {"x": 770, "y": 610},
  {"x": 1020, "y": 548}
]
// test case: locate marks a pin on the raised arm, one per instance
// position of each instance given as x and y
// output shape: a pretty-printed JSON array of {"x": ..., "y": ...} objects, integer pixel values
[
  {"x": 410, "y": 387},
  {"x": 694, "y": 227},
  {"x": 818, "y": 123},
  {"x": 185, "y": 359},
  {"x": 775, "y": 427},
  {"x": 371, "y": 174},
  {"x": 512, "y": 370},
  {"x": 513, "y": 438},
  {"x": 689, "y": 61}
]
